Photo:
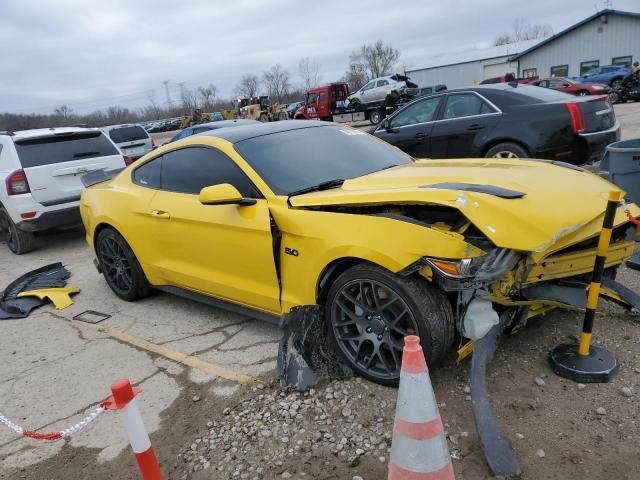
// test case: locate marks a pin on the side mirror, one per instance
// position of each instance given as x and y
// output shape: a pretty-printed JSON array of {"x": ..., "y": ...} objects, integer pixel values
[
  {"x": 223, "y": 194},
  {"x": 386, "y": 124}
]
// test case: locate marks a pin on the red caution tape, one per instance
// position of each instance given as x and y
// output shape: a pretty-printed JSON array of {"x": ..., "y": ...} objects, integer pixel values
[
  {"x": 631, "y": 218},
  {"x": 42, "y": 436}
]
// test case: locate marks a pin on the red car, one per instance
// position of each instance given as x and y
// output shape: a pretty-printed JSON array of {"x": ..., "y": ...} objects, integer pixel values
[{"x": 563, "y": 84}]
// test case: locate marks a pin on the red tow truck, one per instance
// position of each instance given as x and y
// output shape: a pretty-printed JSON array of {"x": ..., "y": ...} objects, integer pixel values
[{"x": 329, "y": 102}]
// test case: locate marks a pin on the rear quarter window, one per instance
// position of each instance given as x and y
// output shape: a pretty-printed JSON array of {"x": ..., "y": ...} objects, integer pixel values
[
  {"x": 35, "y": 152},
  {"x": 128, "y": 134}
]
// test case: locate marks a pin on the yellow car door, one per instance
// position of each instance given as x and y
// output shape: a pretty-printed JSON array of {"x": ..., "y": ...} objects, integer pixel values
[{"x": 225, "y": 251}]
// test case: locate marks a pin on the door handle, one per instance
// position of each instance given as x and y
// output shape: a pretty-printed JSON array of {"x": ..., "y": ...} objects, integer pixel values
[
  {"x": 420, "y": 136},
  {"x": 475, "y": 126},
  {"x": 160, "y": 214}
]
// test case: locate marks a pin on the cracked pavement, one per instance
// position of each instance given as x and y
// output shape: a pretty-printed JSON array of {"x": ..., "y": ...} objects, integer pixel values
[{"x": 53, "y": 372}]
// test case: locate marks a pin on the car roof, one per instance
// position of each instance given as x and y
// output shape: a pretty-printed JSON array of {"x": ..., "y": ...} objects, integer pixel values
[
  {"x": 50, "y": 132},
  {"x": 122, "y": 125},
  {"x": 226, "y": 123},
  {"x": 244, "y": 132}
]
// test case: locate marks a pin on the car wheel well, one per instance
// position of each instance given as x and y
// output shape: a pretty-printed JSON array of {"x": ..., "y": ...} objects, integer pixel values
[
  {"x": 96, "y": 233},
  {"x": 332, "y": 271},
  {"x": 493, "y": 143}
]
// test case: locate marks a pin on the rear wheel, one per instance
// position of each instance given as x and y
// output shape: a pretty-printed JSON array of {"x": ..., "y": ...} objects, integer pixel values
[
  {"x": 283, "y": 116},
  {"x": 507, "y": 150},
  {"x": 120, "y": 267},
  {"x": 370, "y": 310},
  {"x": 18, "y": 241},
  {"x": 263, "y": 117},
  {"x": 375, "y": 117},
  {"x": 583, "y": 93}
]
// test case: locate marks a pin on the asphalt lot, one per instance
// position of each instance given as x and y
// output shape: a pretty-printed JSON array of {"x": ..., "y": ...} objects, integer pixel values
[{"x": 53, "y": 370}]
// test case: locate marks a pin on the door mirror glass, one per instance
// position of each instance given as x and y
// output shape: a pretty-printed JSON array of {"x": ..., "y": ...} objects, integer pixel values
[{"x": 223, "y": 194}]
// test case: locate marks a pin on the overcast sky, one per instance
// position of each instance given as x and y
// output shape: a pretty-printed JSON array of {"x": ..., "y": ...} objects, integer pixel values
[{"x": 90, "y": 55}]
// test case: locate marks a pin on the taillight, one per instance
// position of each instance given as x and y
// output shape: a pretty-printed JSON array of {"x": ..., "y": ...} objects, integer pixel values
[
  {"x": 577, "y": 119},
  {"x": 17, "y": 183},
  {"x": 127, "y": 160}
]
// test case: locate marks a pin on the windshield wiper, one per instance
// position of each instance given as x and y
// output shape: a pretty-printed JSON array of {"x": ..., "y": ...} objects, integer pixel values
[
  {"x": 321, "y": 186},
  {"x": 84, "y": 154}
]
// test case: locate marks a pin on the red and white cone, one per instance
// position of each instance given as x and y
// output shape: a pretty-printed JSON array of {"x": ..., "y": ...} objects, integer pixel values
[
  {"x": 123, "y": 399},
  {"x": 419, "y": 447}
]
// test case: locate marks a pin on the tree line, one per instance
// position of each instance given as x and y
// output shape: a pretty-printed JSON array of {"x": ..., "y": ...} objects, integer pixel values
[{"x": 370, "y": 61}]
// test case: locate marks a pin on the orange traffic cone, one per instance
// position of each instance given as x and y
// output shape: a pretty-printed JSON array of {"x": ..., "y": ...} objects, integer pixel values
[{"x": 419, "y": 448}]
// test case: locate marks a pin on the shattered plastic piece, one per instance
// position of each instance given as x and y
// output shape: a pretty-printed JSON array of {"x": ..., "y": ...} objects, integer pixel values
[
  {"x": 60, "y": 297},
  {"x": 304, "y": 356},
  {"x": 54, "y": 275},
  {"x": 500, "y": 456},
  {"x": 479, "y": 319}
]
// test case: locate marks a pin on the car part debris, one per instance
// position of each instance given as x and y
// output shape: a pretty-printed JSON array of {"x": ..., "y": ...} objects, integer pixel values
[
  {"x": 54, "y": 275},
  {"x": 60, "y": 297},
  {"x": 91, "y": 316},
  {"x": 479, "y": 318},
  {"x": 304, "y": 356},
  {"x": 500, "y": 456}
]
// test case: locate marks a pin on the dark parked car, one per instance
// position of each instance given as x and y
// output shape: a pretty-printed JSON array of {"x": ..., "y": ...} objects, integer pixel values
[
  {"x": 422, "y": 91},
  {"x": 566, "y": 85},
  {"x": 203, "y": 127},
  {"x": 503, "y": 121}
]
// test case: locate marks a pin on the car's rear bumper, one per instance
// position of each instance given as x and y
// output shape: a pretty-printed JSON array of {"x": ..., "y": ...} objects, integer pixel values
[
  {"x": 586, "y": 148},
  {"x": 65, "y": 217}
]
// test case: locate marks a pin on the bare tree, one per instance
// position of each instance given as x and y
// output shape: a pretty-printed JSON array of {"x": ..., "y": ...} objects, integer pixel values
[
  {"x": 372, "y": 61},
  {"x": 188, "y": 98},
  {"x": 523, "y": 30},
  {"x": 248, "y": 86},
  {"x": 64, "y": 112},
  {"x": 276, "y": 81},
  {"x": 310, "y": 73},
  {"x": 207, "y": 96}
]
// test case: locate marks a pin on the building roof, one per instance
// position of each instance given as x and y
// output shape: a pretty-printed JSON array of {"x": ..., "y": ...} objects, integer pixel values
[
  {"x": 477, "y": 54},
  {"x": 607, "y": 11}
]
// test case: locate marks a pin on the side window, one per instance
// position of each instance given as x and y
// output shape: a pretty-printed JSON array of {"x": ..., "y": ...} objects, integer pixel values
[
  {"x": 148, "y": 174},
  {"x": 189, "y": 170},
  {"x": 465, "y": 105},
  {"x": 420, "y": 112},
  {"x": 311, "y": 99},
  {"x": 382, "y": 83},
  {"x": 322, "y": 96},
  {"x": 369, "y": 86}
]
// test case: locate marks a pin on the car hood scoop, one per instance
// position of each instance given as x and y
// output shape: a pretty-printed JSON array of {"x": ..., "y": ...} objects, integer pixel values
[{"x": 519, "y": 204}]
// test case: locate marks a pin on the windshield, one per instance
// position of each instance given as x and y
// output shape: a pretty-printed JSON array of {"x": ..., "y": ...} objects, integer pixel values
[
  {"x": 128, "y": 134},
  {"x": 297, "y": 159}
]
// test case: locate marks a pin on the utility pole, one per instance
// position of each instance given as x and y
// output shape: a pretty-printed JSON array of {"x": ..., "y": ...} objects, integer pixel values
[{"x": 165, "y": 84}]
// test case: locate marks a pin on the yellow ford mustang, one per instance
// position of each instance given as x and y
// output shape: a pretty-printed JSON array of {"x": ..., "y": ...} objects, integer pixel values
[{"x": 263, "y": 219}]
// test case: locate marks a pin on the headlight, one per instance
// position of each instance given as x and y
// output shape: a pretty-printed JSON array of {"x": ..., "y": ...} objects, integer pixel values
[{"x": 464, "y": 268}]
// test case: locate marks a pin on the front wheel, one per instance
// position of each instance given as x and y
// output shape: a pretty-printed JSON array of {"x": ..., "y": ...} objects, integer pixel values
[
  {"x": 283, "y": 116},
  {"x": 263, "y": 117},
  {"x": 506, "y": 150},
  {"x": 370, "y": 310},
  {"x": 120, "y": 267},
  {"x": 616, "y": 83}
]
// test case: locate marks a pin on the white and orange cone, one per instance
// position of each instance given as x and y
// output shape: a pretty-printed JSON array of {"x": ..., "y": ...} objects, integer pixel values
[{"x": 419, "y": 448}]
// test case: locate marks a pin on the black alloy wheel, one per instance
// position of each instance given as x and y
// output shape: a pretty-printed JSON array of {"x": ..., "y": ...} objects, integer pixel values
[{"x": 370, "y": 311}]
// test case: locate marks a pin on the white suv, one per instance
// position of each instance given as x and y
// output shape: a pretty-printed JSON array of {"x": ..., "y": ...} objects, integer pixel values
[
  {"x": 40, "y": 174},
  {"x": 132, "y": 140}
]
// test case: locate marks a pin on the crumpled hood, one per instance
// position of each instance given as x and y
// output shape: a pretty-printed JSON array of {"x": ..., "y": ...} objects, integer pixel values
[{"x": 558, "y": 202}]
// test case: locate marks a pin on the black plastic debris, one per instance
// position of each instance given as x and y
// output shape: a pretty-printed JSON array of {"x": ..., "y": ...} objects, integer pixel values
[
  {"x": 304, "y": 356},
  {"x": 500, "y": 456},
  {"x": 54, "y": 275},
  {"x": 91, "y": 316}
]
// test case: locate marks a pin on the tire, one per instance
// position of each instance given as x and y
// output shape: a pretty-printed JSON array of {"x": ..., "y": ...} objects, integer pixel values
[
  {"x": 582, "y": 93},
  {"x": 419, "y": 308},
  {"x": 614, "y": 97},
  {"x": 18, "y": 241},
  {"x": 375, "y": 117},
  {"x": 283, "y": 116},
  {"x": 615, "y": 83},
  {"x": 120, "y": 267},
  {"x": 507, "y": 150},
  {"x": 263, "y": 117},
  {"x": 355, "y": 102}
]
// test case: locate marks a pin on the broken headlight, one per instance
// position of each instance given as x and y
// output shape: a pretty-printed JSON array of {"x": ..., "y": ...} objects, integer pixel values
[{"x": 464, "y": 268}]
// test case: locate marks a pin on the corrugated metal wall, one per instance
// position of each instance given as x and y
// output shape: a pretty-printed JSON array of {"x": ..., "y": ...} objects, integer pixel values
[
  {"x": 462, "y": 74},
  {"x": 595, "y": 40}
]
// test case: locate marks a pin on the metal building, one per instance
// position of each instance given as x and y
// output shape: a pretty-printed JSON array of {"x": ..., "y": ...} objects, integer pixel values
[
  {"x": 605, "y": 38},
  {"x": 469, "y": 67}
]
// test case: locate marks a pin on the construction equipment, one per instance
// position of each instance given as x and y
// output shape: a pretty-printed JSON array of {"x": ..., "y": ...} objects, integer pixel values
[
  {"x": 195, "y": 118},
  {"x": 261, "y": 108}
]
